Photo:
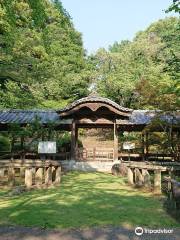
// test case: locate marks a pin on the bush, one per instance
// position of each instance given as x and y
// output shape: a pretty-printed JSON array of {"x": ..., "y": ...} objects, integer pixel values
[
  {"x": 64, "y": 142},
  {"x": 5, "y": 145}
]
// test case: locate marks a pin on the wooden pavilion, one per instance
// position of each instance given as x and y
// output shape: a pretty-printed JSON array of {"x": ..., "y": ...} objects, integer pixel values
[{"x": 91, "y": 112}]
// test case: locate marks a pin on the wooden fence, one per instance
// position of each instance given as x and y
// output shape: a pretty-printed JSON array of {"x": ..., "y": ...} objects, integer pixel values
[
  {"x": 29, "y": 172},
  {"x": 95, "y": 154}
]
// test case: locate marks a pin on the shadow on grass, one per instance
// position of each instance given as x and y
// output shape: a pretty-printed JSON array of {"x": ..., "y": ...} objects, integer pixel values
[
  {"x": 172, "y": 208},
  {"x": 85, "y": 200}
]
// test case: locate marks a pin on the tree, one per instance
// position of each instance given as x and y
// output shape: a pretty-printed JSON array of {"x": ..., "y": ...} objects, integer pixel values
[
  {"x": 143, "y": 73},
  {"x": 174, "y": 7},
  {"x": 42, "y": 59}
]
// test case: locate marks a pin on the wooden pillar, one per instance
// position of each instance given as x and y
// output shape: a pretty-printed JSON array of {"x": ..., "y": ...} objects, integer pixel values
[
  {"x": 48, "y": 175},
  {"x": 130, "y": 176},
  {"x": 73, "y": 140},
  {"x": 58, "y": 175},
  {"x": 146, "y": 149},
  {"x": 138, "y": 177},
  {"x": 115, "y": 142},
  {"x": 2, "y": 173},
  {"x": 76, "y": 142},
  {"x": 157, "y": 181},
  {"x": 28, "y": 177},
  {"x": 146, "y": 178},
  {"x": 22, "y": 172},
  {"x": 39, "y": 176},
  {"x": 11, "y": 176},
  {"x": 143, "y": 145},
  {"x": 12, "y": 148},
  {"x": 76, "y": 137}
]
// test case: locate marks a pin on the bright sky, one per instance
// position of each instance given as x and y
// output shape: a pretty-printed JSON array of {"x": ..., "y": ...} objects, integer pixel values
[{"x": 102, "y": 22}]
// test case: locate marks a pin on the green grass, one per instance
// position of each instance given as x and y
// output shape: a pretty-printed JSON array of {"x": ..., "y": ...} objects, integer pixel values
[{"x": 84, "y": 200}]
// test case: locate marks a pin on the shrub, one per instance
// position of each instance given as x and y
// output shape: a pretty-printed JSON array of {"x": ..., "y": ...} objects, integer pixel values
[{"x": 5, "y": 145}]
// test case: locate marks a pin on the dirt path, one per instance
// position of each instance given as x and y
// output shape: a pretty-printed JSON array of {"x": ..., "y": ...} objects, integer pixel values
[{"x": 108, "y": 233}]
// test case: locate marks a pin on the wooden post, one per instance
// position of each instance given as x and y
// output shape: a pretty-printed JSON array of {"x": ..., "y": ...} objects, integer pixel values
[
  {"x": 130, "y": 176},
  {"x": 22, "y": 172},
  {"x": 115, "y": 142},
  {"x": 143, "y": 146},
  {"x": 76, "y": 142},
  {"x": 157, "y": 181},
  {"x": 28, "y": 177},
  {"x": 48, "y": 175},
  {"x": 11, "y": 176},
  {"x": 22, "y": 148},
  {"x": 73, "y": 140},
  {"x": 94, "y": 154},
  {"x": 39, "y": 176},
  {"x": 138, "y": 177},
  {"x": 1, "y": 173},
  {"x": 146, "y": 178},
  {"x": 146, "y": 150},
  {"x": 58, "y": 175},
  {"x": 12, "y": 148}
]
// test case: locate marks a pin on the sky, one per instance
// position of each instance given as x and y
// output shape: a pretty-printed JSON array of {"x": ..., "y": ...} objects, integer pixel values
[{"x": 102, "y": 22}]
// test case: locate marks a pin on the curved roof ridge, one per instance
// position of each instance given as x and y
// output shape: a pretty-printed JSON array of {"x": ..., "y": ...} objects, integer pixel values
[{"x": 94, "y": 98}]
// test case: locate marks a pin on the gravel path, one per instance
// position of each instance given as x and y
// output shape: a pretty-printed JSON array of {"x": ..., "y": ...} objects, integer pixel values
[{"x": 108, "y": 233}]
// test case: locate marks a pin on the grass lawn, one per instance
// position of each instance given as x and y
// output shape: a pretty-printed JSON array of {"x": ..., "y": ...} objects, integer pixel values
[{"x": 84, "y": 200}]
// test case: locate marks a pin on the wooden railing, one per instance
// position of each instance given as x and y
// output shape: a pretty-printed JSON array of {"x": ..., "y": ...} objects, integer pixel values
[
  {"x": 95, "y": 154},
  {"x": 149, "y": 156},
  {"x": 29, "y": 172},
  {"x": 34, "y": 155}
]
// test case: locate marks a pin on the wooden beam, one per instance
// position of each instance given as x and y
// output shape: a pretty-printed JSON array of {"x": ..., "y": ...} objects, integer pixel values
[{"x": 94, "y": 121}]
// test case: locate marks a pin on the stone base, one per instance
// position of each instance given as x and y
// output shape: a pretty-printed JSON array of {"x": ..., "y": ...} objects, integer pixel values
[{"x": 89, "y": 166}]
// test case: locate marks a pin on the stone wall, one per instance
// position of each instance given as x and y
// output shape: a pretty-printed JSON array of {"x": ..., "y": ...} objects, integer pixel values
[{"x": 104, "y": 166}]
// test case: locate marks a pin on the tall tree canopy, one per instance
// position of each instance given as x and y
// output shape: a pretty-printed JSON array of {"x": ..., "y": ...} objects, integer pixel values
[
  {"x": 43, "y": 62},
  {"x": 42, "y": 59},
  {"x": 143, "y": 73}
]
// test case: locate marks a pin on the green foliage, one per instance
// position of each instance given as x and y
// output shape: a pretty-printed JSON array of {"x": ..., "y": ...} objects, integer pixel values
[
  {"x": 167, "y": 140},
  {"x": 64, "y": 142},
  {"x": 41, "y": 56},
  {"x": 175, "y": 6},
  {"x": 26, "y": 138},
  {"x": 143, "y": 73},
  {"x": 43, "y": 63},
  {"x": 4, "y": 144}
]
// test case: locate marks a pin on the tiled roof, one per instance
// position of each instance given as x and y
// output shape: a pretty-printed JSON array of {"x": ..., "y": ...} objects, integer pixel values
[
  {"x": 143, "y": 117},
  {"x": 95, "y": 99},
  {"x": 28, "y": 116},
  {"x": 137, "y": 117}
]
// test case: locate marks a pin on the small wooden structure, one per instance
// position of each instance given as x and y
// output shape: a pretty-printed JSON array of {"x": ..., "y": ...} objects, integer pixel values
[{"x": 92, "y": 112}]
